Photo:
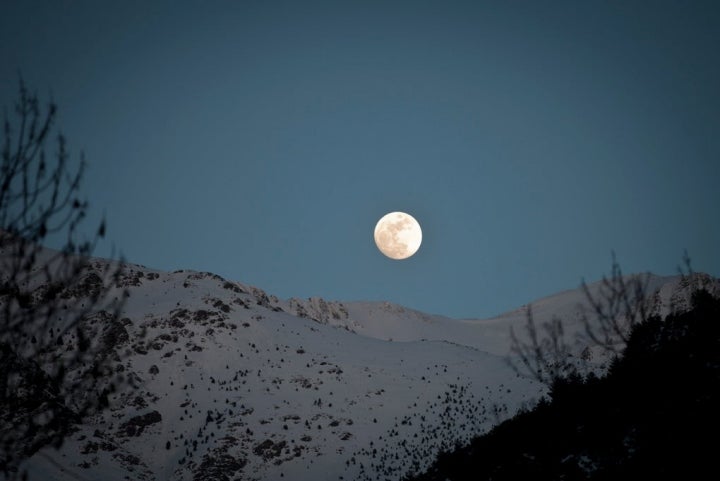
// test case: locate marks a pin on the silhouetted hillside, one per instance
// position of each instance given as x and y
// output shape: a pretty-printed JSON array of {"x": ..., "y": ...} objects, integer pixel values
[
  {"x": 653, "y": 416},
  {"x": 226, "y": 381}
]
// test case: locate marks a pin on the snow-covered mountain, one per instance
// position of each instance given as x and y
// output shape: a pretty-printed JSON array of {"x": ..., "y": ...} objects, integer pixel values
[{"x": 233, "y": 383}]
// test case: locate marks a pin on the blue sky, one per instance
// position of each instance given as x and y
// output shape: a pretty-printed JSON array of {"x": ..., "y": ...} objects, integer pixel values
[{"x": 263, "y": 140}]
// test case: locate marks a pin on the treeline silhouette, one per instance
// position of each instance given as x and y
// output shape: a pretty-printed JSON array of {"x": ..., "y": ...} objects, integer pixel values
[{"x": 654, "y": 415}]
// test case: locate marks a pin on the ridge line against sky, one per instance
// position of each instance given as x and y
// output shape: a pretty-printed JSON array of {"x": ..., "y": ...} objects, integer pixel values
[{"x": 262, "y": 141}]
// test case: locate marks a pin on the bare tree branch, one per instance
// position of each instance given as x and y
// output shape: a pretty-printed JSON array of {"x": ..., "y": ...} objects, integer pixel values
[
  {"x": 56, "y": 307},
  {"x": 615, "y": 307},
  {"x": 545, "y": 356},
  {"x": 620, "y": 303}
]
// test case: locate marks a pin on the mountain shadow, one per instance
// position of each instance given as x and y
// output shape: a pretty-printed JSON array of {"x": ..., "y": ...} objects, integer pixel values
[{"x": 654, "y": 415}]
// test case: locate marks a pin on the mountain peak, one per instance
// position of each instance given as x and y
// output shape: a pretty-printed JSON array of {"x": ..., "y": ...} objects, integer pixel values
[{"x": 227, "y": 381}]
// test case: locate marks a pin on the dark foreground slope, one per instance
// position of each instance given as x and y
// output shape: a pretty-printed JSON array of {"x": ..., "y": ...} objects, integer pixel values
[{"x": 655, "y": 415}]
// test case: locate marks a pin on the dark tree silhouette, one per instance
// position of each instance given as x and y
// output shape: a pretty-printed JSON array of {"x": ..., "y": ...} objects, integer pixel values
[
  {"x": 58, "y": 309},
  {"x": 543, "y": 355},
  {"x": 654, "y": 415},
  {"x": 620, "y": 303},
  {"x": 613, "y": 309}
]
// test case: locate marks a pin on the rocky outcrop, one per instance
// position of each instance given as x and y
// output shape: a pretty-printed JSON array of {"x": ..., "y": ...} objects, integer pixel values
[
  {"x": 136, "y": 425},
  {"x": 269, "y": 449},
  {"x": 319, "y": 310}
]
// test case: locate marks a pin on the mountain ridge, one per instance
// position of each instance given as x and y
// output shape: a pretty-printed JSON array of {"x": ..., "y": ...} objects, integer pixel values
[{"x": 230, "y": 382}]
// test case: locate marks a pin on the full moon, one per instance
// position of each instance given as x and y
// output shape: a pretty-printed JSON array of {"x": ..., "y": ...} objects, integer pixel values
[{"x": 398, "y": 235}]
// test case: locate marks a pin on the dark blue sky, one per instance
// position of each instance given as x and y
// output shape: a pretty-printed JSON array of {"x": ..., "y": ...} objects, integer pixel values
[{"x": 263, "y": 140}]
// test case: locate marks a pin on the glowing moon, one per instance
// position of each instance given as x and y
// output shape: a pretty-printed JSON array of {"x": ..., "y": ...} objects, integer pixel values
[{"x": 398, "y": 235}]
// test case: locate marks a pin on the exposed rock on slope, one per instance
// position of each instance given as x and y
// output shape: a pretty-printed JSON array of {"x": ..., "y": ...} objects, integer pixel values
[{"x": 233, "y": 383}]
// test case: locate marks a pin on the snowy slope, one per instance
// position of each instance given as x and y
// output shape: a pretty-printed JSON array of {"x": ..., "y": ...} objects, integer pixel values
[{"x": 233, "y": 383}]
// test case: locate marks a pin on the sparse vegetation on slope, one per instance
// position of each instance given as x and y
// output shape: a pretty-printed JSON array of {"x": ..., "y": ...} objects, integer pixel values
[{"x": 653, "y": 416}]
